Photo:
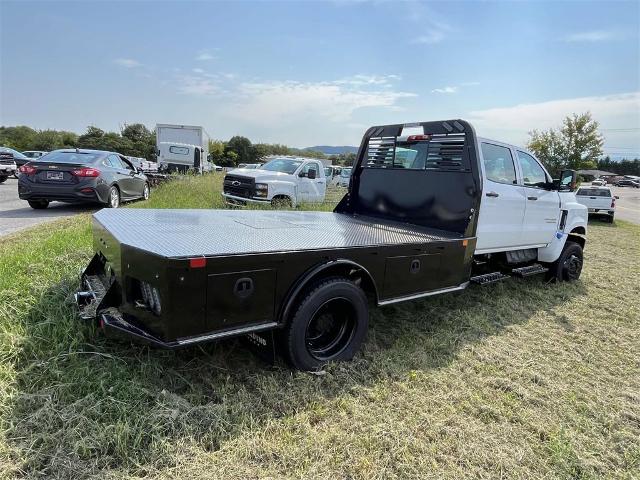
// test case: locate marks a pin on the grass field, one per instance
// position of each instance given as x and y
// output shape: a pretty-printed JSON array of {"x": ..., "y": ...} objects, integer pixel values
[{"x": 516, "y": 380}]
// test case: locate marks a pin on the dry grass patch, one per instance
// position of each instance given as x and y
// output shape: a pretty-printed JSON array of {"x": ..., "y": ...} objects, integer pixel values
[{"x": 520, "y": 379}]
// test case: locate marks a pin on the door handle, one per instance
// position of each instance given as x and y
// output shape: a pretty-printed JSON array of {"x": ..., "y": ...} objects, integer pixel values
[
  {"x": 532, "y": 198},
  {"x": 492, "y": 194}
]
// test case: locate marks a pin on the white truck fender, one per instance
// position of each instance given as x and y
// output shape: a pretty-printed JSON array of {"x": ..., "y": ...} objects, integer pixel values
[
  {"x": 287, "y": 189},
  {"x": 575, "y": 224}
]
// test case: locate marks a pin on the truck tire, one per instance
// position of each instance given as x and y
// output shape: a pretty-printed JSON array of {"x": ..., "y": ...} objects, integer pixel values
[
  {"x": 569, "y": 265},
  {"x": 329, "y": 324},
  {"x": 3, "y": 178},
  {"x": 281, "y": 201},
  {"x": 38, "y": 204},
  {"x": 610, "y": 218}
]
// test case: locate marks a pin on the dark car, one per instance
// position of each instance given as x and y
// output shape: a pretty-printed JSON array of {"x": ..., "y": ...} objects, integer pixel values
[
  {"x": 81, "y": 176},
  {"x": 627, "y": 183}
]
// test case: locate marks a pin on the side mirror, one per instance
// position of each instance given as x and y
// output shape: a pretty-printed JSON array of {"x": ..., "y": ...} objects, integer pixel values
[
  {"x": 311, "y": 174},
  {"x": 567, "y": 181}
]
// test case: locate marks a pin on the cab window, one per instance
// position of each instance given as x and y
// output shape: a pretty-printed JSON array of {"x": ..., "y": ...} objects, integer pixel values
[
  {"x": 498, "y": 164},
  {"x": 533, "y": 174},
  {"x": 310, "y": 166}
]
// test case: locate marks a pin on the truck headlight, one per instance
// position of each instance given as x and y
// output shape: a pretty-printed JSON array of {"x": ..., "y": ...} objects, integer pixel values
[{"x": 262, "y": 190}]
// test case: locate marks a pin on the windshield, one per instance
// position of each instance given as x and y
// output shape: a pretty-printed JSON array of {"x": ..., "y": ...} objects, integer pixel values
[
  {"x": 346, "y": 172},
  {"x": 284, "y": 165},
  {"x": 15, "y": 153},
  {"x": 69, "y": 157},
  {"x": 594, "y": 192}
]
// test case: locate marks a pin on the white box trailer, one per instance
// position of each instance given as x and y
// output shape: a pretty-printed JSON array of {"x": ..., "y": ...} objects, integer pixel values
[{"x": 182, "y": 147}]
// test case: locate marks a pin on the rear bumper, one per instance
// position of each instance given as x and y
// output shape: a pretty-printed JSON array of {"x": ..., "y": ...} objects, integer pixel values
[
  {"x": 7, "y": 169},
  {"x": 61, "y": 193},
  {"x": 601, "y": 211}
]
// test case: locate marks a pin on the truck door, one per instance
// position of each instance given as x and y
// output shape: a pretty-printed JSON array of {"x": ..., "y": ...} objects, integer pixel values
[
  {"x": 542, "y": 208},
  {"x": 312, "y": 183},
  {"x": 196, "y": 159},
  {"x": 503, "y": 201}
]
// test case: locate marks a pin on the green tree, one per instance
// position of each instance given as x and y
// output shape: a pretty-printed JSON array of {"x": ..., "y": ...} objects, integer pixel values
[
  {"x": 242, "y": 148},
  {"x": 577, "y": 144},
  {"x": 20, "y": 138},
  {"x": 216, "y": 151}
]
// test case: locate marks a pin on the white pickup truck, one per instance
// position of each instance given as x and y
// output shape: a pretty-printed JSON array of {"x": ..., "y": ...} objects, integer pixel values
[
  {"x": 282, "y": 181},
  {"x": 599, "y": 200}
]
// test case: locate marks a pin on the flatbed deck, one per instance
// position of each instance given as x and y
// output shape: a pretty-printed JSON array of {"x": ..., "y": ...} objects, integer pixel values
[{"x": 210, "y": 233}]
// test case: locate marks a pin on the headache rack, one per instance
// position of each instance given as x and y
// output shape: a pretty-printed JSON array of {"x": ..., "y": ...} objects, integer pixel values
[{"x": 430, "y": 179}]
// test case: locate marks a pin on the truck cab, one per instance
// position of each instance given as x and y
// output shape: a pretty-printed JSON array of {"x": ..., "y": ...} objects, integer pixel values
[
  {"x": 182, "y": 158},
  {"x": 285, "y": 181},
  {"x": 521, "y": 207}
]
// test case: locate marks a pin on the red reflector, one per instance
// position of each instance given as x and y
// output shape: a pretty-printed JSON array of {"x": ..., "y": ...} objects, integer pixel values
[
  {"x": 86, "y": 172},
  {"x": 198, "y": 262},
  {"x": 415, "y": 138},
  {"x": 87, "y": 190},
  {"x": 28, "y": 169}
]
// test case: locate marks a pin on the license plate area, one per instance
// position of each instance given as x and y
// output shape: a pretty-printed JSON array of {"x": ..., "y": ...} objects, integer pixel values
[{"x": 55, "y": 176}]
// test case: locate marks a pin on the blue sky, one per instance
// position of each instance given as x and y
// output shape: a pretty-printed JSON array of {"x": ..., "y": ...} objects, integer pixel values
[{"x": 306, "y": 73}]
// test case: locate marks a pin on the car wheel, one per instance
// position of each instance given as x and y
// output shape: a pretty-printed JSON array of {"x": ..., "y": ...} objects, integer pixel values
[
  {"x": 330, "y": 324},
  {"x": 569, "y": 266},
  {"x": 145, "y": 192},
  {"x": 281, "y": 202},
  {"x": 610, "y": 218},
  {"x": 113, "y": 200},
  {"x": 3, "y": 178},
  {"x": 38, "y": 204}
]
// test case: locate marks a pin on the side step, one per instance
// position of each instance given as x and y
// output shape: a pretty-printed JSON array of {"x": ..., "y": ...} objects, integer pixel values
[
  {"x": 488, "y": 278},
  {"x": 529, "y": 270}
]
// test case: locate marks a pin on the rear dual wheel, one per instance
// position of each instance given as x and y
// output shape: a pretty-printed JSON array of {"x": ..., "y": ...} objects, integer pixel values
[{"x": 330, "y": 324}]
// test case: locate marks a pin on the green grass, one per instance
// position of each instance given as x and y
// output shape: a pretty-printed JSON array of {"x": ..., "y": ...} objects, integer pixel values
[{"x": 520, "y": 380}]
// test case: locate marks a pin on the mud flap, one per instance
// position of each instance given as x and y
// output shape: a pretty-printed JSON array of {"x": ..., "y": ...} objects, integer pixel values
[{"x": 263, "y": 345}]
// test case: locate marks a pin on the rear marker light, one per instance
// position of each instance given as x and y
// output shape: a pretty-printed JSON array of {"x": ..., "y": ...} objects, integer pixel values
[
  {"x": 86, "y": 172},
  {"x": 198, "y": 262},
  {"x": 28, "y": 169}
]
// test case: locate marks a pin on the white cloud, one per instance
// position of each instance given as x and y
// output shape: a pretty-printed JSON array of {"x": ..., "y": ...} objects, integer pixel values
[
  {"x": 127, "y": 62},
  {"x": 511, "y": 124},
  {"x": 204, "y": 56},
  {"x": 197, "y": 85},
  {"x": 430, "y": 38},
  {"x": 454, "y": 88},
  {"x": 591, "y": 36},
  {"x": 291, "y": 102},
  {"x": 198, "y": 70},
  {"x": 448, "y": 89}
]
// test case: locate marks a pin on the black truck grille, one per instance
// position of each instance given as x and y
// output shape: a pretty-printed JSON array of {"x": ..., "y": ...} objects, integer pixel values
[{"x": 239, "y": 186}]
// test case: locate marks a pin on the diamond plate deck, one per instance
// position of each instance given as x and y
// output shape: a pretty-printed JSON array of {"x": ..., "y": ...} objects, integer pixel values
[{"x": 189, "y": 233}]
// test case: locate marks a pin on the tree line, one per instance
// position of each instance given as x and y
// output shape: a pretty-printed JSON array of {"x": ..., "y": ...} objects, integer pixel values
[{"x": 136, "y": 140}]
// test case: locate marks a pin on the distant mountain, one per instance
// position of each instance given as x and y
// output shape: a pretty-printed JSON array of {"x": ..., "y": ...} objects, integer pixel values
[{"x": 329, "y": 150}]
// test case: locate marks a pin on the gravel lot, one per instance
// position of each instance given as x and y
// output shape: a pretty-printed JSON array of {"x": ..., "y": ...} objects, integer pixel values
[{"x": 16, "y": 214}]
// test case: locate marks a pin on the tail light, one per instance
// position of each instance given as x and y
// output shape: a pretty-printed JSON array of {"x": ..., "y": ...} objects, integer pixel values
[
  {"x": 86, "y": 172},
  {"x": 417, "y": 138},
  {"x": 27, "y": 169},
  {"x": 613, "y": 202}
]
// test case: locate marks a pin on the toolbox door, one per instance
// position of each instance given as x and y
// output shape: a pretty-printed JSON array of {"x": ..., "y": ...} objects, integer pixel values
[
  {"x": 408, "y": 275},
  {"x": 240, "y": 298}
]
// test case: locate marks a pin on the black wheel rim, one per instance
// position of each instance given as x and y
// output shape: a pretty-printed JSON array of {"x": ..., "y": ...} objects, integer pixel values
[
  {"x": 331, "y": 329},
  {"x": 572, "y": 267}
]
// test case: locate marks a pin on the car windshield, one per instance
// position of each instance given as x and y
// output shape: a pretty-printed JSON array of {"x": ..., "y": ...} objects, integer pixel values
[
  {"x": 69, "y": 157},
  {"x": 346, "y": 172},
  {"x": 594, "y": 192},
  {"x": 15, "y": 153},
  {"x": 284, "y": 165}
]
